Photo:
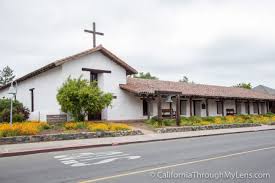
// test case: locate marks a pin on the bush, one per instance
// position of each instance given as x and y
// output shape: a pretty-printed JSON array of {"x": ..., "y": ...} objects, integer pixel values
[{"x": 20, "y": 113}]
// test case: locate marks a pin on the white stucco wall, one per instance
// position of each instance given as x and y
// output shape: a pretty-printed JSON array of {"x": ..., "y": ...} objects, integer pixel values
[
  {"x": 125, "y": 106},
  {"x": 45, "y": 91}
]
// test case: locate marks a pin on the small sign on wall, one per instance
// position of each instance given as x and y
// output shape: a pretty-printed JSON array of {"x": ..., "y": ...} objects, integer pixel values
[{"x": 59, "y": 118}]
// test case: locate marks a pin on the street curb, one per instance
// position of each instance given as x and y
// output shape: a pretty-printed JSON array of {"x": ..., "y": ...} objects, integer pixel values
[{"x": 10, "y": 154}]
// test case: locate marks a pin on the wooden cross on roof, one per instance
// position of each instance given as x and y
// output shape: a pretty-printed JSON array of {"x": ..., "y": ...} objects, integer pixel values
[{"x": 94, "y": 34}]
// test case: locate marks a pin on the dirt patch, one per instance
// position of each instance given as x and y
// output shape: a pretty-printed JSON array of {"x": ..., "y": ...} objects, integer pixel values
[{"x": 140, "y": 125}]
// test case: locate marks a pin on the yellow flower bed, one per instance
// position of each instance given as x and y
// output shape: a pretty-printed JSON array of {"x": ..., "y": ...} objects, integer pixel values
[
  {"x": 97, "y": 127},
  {"x": 24, "y": 128},
  {"x": 217, "y": 120},
  {"x": 229, "y": 119},
  {"x": 203, "y": 121},
  {"x": 118, "y": 127},
  {"x": 104, "y": 126},
  {"x": 70, "y": 126}
]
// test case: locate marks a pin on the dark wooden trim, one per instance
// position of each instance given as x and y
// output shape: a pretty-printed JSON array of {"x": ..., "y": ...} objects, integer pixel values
[
  {"x": 32, "y": 99},
  {"x": 248, "y": 106},
  {"x": 206, "y": 107},
  {"x": 148, "y": 107},
  {"x": 236, "y": 106},
  {"x": 194, "y": 107},
  {"x": 171, "y": 110},
  {"x": 145, "y": 107},
  {"x": 222, "y": 107},
  {"x": 159, "y": 107},
  {"x": 258, "y": 107},
  {"x": 96, "y": 71},
  {"x": 190, "y": 105},
  {"x": 178, "y": 110}
]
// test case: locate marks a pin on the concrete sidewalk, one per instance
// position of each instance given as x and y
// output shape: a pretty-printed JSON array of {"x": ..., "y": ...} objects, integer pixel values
[{"x": 40, "y": 147}]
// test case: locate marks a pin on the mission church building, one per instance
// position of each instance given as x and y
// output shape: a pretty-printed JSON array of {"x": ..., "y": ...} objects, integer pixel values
[{"x": 133, "y": 99}]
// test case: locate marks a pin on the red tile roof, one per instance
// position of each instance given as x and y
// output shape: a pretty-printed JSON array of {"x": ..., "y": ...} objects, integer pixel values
[{"x": 146, "y": 86}]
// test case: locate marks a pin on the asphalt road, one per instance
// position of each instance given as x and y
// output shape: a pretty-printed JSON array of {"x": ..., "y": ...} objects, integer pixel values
[{"x": 246, "y": 157}]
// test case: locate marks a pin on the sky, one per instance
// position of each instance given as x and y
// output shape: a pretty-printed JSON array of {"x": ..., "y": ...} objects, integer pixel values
[{"x": 220, "y": 42}]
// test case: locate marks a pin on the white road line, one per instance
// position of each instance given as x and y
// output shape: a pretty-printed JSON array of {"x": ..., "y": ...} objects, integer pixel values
[
  {"x": 175, "y": 165},
  {"x": 113, "y": 156}
]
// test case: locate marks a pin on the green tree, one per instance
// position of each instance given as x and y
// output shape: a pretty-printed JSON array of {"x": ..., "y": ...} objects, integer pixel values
[
  {"x": 6, "y": 76},
  {"x": 145, "y": 76},
  {"x": 244, "y": 85},
  {"x": 80, "y": 97},
  {"x": 185, "y": 79}
]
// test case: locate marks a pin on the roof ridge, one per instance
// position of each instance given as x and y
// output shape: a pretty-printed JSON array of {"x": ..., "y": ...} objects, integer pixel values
[{"x": 194, "y": 84}]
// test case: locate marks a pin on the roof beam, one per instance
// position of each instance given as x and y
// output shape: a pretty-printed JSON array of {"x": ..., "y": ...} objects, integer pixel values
[{"x": 96, "y": 71}]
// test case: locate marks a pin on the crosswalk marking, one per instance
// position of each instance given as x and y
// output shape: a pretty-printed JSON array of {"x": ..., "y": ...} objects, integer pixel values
[{"x": 90, "y": 158}]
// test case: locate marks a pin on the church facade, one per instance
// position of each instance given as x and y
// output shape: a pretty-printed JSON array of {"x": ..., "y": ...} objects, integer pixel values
[{"x": 133, "y": 99}]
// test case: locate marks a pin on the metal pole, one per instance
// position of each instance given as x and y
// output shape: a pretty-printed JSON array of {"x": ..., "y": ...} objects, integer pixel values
[
  {"x": 11, "y": 112},
  {"x": 94, "y": 41}
]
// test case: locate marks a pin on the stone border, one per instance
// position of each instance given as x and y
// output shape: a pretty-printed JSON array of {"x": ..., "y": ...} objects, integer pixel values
[
  {"x": 197, "y": 128},
  {"x": 66, "y": 136}
]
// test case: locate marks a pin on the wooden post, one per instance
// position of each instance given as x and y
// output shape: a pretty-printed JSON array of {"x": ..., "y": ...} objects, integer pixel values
[
  {"x": 267, "y": 106},
  {"x": 159, "y": 107},
  {"x": 222, "y": 101},
  {"x": 171, "y": 110},
  {"x": 191, "y": 108},
  {"x": 248, "y": 106},
  {"x": 178, "y": 110},
  {"x": 148, "y": 108},
  {"x": 258, "y": 107},
  {"x": 206, "y": 107},
  {"x": 236, "y": 112}
]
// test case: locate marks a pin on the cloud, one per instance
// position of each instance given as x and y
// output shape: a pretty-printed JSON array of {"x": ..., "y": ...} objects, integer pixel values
[{"x": 216, "y": 42}]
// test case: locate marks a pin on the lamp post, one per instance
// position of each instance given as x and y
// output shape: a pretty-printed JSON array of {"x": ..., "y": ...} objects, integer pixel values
[{"x": 12, "y": 92}]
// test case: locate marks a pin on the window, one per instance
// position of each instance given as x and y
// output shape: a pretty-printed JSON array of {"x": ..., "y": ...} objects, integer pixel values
[
  {"x": 239, "y": 108},
  {"x": 219, "y": 107},
  {"x": 93, "y": 77},
  {"x": 32, "y": 99},
  {"x": 255, "y": 107},
  {"x": 183, "y": 107},
  {"x": 246, "y": 108},
  {"x": 145, "y": 108}
]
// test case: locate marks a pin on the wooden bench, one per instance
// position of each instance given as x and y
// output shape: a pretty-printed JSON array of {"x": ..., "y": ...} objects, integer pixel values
[
  {"x": 168, "y": 113},
  {"x": 230, "y": 112}
]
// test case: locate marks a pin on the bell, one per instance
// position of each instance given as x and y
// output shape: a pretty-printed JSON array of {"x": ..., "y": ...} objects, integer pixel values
[{"x": 169, "y": 99}]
